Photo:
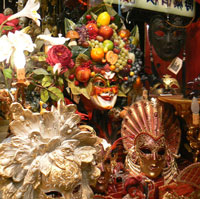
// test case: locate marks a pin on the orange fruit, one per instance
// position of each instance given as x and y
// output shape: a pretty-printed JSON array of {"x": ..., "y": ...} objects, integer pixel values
[
  {"x": 124, "y": 33},
  {"x": 97, "y": 54},
  {"x": 111, "y": 57},
  {"x": 103, "y": 19},
  {"x": 112, "y": 67}
]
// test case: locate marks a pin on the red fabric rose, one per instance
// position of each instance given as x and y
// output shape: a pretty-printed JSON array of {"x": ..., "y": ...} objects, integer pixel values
[
  {"x": 13, "y": 23},
  {"x": 60, "y": 54}
]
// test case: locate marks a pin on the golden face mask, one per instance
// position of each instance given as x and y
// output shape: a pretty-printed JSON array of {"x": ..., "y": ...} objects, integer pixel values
[
  {"x": 151, "y": 136},
  {"x": 151, "y": 154}
]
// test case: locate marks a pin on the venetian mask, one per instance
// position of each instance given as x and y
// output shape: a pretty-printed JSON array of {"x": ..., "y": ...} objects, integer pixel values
[
  {"x": 151, "y": 153},
  {"x": 167, "y": 39},
  {"x": 151, "y": 134},
  {"x": 104, "y": 91},
  {"x": 49, "y": 155}
]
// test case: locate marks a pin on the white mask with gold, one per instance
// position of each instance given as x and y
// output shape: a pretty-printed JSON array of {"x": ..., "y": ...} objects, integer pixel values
[{"x": 48, "y": 156}]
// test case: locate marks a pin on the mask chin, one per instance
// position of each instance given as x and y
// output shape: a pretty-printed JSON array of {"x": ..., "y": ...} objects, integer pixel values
[{"x": 102, "y": 103}]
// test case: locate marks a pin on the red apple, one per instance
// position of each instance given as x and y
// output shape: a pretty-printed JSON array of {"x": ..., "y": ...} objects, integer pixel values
[
  {"x": 82, "y": 74},
  {"x": 92, "y": 26},
  {"x": 88, "y": 17},
  {"x": 106, "y": 32}
]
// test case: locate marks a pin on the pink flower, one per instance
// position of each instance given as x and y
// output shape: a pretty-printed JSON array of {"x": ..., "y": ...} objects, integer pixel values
[{"x": 60, "y": 54}]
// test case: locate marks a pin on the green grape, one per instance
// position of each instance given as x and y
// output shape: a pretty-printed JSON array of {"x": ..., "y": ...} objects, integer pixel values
[
  {"x": 121, "y": 67},
  {"x": 117, "y": 64},
  {"x": 119, "y": 61},
  {"x": 126, "y": 51},
  {"x": 121, "y": 46},
  {"x": 123, "y": 54},
  {"x": 124, "y": 63},
  {"x": 116, "y": 70}
]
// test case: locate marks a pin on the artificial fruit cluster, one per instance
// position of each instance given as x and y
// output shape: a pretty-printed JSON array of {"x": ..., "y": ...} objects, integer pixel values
[{"x": 109, "y": 47}]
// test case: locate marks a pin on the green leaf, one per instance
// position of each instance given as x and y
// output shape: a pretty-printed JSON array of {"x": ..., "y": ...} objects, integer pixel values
[
  {"x": 50, "y": 69},
  {"x": 80, "y": 59},
  {"x": 77, "y": 90},
  {"x": 76, "y": 50},
  {"x": 121, "y": 94},
  {"x": 69, "y": 25},
  {"x": 7, "y": 73},
  {"x": 7, "y": 28},
  {"x": 40, "y": 71},
  {"x": 41, "y": 58},
  {"x": 135, "y": 32},
  {"x": 44, "y": 95},
  {"x": 55, "y": 93},
  {"x": 47, "y": 81},
  {"x": 60, "y": 81}
]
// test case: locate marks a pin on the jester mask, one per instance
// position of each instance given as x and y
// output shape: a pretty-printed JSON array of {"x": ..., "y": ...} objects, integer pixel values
[{"x": 104, "y": 91}]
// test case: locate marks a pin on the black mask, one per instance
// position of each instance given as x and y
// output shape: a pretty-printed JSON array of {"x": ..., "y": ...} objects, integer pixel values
[{"x": 166, "y": 39}]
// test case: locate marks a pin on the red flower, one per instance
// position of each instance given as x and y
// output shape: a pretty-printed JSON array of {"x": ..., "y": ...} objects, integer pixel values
[
  {"x": 60, "y": 54},
  {"x": 2, "y": 18},
  {"x": 14, "y": 24}
]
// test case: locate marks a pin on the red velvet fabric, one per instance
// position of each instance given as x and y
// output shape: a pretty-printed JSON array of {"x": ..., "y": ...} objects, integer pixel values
[{"x": 193, "y": 51}]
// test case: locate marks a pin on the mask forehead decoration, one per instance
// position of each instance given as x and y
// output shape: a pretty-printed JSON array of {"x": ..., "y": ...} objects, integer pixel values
[
  {"x": 151, "y": 135},
  {"x": 49, "y": 155},
  {"x": 166, "y": 38}
]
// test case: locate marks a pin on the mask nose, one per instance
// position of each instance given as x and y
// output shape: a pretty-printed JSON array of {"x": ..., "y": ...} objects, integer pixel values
[
  {"x": 154, "y": 156},
  {"x": 168, "y": 37}
]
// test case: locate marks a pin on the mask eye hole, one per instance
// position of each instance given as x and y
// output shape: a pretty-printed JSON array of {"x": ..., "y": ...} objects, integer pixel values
[
  {"x": 161, "y": 151},
  {"x": 145, "y": 150},
  {"x": 160, "y": 33},
  {"x": 113, "y": 83},
  {"x": 99, "y": 83},
  {"x": 118, "y": 179},
  {"x": 76, "y": 189},
  {"x": 54, "y": 194}
]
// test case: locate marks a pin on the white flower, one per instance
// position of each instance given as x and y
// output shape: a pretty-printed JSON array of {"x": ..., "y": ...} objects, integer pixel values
[
  {"x": 30, "y": 11},
  {"x": 6, "y": 49},
  {"x": 21, "y": 41},
  {"x": 14, "y": 45}
]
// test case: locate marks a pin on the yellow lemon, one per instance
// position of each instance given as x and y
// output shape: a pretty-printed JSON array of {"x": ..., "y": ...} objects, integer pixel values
[{"x": 103, "y": 19}]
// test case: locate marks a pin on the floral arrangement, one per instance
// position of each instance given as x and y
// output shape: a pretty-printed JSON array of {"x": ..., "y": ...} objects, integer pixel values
[{"x": 16, "y": 41}]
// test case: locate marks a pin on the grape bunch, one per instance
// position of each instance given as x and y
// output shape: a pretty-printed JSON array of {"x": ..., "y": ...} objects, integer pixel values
[
  {"x": 83, "y": 33},
  {"x": 137, "y": 66}
]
